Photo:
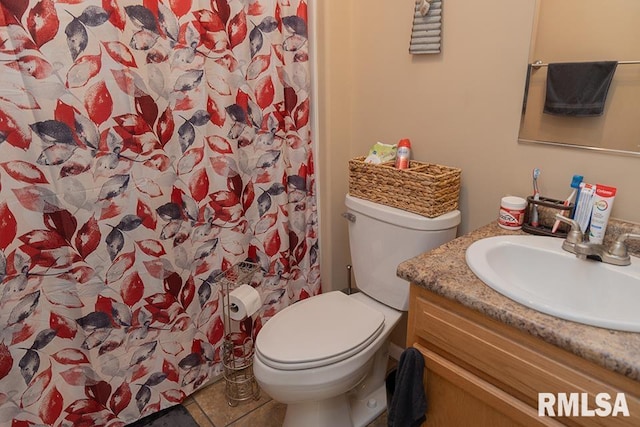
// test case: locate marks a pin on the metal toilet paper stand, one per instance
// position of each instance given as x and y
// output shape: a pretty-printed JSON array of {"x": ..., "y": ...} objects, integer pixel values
[{"x": 237, "y": 357}]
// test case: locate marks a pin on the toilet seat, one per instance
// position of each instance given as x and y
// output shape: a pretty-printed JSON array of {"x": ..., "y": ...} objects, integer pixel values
[{"x": 318, "y": 331}]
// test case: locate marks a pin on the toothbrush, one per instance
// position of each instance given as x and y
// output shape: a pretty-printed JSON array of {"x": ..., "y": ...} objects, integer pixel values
[
  {"x": 536, "y": 196},
  {"x": 575, "y": 185}
]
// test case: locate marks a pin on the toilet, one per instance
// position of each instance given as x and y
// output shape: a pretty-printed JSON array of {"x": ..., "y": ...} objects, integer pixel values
[{"x": 326, "y": 357}]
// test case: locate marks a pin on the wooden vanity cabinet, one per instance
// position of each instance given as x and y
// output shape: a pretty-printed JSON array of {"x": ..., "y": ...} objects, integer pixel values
[{"x": 481, "y": 372}]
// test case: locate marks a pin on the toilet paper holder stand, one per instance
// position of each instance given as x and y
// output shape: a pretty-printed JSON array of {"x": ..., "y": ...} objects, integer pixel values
[{"x": 237, "y": 357}]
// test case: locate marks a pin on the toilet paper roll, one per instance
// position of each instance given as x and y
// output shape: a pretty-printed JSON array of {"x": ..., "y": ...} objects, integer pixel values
[{"x": 244, "y": 301}]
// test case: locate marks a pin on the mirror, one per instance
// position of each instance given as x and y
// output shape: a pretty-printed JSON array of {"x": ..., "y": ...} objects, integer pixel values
[{"x": 582, "y": 31}]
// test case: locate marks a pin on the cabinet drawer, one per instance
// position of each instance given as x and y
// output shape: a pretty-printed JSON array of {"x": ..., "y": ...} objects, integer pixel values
[
  {"x": 505, "y": 409},
  {"x": 511, "y": 364}
]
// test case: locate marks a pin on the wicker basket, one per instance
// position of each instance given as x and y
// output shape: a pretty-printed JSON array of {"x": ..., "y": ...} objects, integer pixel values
[{"x": 424, "y": 188}]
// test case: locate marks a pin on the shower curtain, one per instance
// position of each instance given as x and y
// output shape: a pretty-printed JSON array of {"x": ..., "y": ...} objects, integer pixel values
[{"x": 145, "y": 146}]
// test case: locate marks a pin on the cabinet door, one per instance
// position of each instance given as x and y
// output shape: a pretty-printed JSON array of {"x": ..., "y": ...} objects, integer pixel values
[{"x": 456, "y": 397}]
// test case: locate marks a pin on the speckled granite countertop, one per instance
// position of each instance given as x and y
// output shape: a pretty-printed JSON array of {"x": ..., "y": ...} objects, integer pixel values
[{"x": 444, "y": 271}]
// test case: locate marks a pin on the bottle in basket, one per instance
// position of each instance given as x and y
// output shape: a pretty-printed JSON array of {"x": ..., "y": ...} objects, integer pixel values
[{"x": 404, "y": 154}]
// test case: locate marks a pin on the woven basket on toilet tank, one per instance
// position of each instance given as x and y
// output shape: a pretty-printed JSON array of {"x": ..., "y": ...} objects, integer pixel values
[{"x": 423, "y": 188}]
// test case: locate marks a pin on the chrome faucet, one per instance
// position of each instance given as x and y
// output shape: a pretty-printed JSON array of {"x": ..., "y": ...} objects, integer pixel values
[{"x": 617, "y": 254}]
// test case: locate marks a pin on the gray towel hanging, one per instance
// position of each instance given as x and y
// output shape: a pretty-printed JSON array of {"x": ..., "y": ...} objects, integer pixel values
[
  {"x": 408, "y": 404},
  {"x": 578, "y": 89}
]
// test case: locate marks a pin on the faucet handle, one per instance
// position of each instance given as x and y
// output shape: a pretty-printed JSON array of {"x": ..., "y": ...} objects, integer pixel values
[
  {"x": 575, "y": 235},
  {"x": 619, "y": 248}
]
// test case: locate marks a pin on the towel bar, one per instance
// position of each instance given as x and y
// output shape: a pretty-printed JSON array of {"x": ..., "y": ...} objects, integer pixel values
[{"x": 539, "y": 64}]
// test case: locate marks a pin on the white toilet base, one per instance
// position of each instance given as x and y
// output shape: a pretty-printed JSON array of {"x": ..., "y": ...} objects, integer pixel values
[
  {"x": 339, "y": 411},
  {"x": 364, "y": 411}
]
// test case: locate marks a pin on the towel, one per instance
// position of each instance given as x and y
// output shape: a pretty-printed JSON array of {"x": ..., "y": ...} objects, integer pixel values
[
  {"x": 578, "y": 88},
  {"x": 409, "y": 403}
]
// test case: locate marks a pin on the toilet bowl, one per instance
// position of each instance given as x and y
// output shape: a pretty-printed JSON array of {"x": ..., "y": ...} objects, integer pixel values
[
  {"x": 347, "y": 355},
  {"x": 326, "y": 357}
]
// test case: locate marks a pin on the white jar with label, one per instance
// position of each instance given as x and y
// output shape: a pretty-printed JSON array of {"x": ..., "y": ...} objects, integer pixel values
[{"x": 512, "y": 211}]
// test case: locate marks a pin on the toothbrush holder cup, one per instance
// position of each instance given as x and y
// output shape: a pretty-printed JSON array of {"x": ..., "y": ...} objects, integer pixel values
[{"x": 547, "y": 209}]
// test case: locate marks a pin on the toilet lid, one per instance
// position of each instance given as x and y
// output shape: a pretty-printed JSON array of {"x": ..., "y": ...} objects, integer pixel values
[{"x": 318, "y": 331}]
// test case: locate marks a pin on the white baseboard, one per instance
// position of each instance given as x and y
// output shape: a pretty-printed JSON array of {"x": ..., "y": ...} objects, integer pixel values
[{"x": 395, "y": 351}]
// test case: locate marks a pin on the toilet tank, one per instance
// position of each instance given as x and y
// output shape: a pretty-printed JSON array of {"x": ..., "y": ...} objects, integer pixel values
[{"x": 381, "y": 237}]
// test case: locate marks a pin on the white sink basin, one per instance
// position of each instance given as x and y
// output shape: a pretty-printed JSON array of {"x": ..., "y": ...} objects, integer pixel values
[{"x": 537, "y": 272}]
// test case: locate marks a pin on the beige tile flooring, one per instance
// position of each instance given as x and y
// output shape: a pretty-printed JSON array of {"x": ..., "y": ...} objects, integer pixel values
[{"x": 209, "y": 408}]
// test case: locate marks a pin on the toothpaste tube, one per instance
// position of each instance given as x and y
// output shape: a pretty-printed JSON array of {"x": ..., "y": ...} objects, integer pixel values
[
  {"x": 602, "y": 204},
  {"x": 585, "y": 204}
]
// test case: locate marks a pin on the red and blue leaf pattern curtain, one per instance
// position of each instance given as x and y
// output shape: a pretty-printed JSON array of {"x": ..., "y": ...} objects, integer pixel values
[{"x": 145, "y": 146}]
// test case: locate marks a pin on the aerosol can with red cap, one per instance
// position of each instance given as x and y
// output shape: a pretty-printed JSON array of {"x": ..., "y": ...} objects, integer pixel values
[{"x": 404, "y": 154}]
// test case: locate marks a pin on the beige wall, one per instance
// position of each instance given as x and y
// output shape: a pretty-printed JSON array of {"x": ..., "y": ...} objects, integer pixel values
[{"x": 460, "y": 108}]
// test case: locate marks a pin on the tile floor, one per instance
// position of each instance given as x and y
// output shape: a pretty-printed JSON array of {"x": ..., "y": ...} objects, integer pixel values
[{"x": 210, "y": 409}]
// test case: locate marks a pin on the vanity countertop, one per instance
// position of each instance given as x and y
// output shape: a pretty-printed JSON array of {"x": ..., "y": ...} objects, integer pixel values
[{"x": 444, "y": 271}]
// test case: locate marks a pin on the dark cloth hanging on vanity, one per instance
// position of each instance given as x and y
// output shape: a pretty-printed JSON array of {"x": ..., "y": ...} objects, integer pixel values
[
  {"x": 408, "y": 404},
  {"x": 578, "y": 89}
]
